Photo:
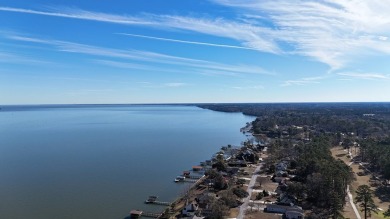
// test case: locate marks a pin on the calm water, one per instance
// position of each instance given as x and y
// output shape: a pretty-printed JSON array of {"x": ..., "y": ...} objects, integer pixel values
[{"x": 102, "y": 161}]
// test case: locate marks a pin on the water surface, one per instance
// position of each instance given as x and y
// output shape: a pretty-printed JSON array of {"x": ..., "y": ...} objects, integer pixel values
[{"x": 70, "y": 162}]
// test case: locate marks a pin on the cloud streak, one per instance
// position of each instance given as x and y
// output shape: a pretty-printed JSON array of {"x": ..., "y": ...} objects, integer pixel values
[
  {"x": 366, "y": 76},
  {"x": 82, "y": 15},
  {"x": 141, "y": 56},
  {"x": 333, "y": 32},
  {"x": 249, "y": 36},
  {"x": 303, "y": 81},
  {"x": 187, "y": 42}
]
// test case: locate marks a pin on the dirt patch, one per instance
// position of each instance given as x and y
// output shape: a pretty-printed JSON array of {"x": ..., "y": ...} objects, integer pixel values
[
  {"x": 262, "y": 215},
  {"x": 233, "y": 212}
]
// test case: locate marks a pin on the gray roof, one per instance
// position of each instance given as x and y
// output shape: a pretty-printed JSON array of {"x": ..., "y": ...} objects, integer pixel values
[{"x": 287, "y": 208}]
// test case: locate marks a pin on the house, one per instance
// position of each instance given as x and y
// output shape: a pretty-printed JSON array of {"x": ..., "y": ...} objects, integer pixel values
[
  {"x": 294, "y": 214},
  {"x": 287, "y": 200},
  {"x": 281, "y": 173},
  {"x": 280, "y": 180},
  {"x": 189, "y": 209},
  {"x": 282, "y": 166},
  {"x": 289, "y": 212},
  {"x": 205, "y": 199}
]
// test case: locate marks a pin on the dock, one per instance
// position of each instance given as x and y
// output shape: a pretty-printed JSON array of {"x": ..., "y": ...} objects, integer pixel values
[
  {"x": 139, "y": 213},
  {"x": 191, "y": 180},
  {"x": 153, "y": 200},
  {"x": 194, "y": 177}
]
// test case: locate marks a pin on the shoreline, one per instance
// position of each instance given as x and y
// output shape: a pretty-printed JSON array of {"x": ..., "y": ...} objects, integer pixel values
[{"x": 178, "y": 204}]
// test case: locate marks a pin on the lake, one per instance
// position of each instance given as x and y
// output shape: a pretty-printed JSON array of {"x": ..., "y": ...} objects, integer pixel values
[{"x": 101, "y": 161}]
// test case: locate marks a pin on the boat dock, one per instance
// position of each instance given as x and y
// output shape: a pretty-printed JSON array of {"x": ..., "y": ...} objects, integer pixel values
[
  {"x": 139, "y": 213},
  {"x": 153, "y": 200},
  {"x": 194, "y": 177}
]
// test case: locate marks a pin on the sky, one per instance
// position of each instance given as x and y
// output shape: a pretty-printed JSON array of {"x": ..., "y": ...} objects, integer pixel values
[{"x": 194, "y": 51}]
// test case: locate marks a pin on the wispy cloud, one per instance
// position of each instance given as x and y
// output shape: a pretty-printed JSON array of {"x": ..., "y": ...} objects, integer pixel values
[
  {"x": 331, "y": 31},
  {"x": 7, "y": 57},
  {"x": 175, "y": 84},
  {"x": 187, "y": 42},
  {"x": 143, "y": 56},
  {"x": 366, "y": 76},
  {"x": 334, "y": 32},
  {"x": 256, "y": 87},
  {"x": 303, "y": 81},
  {"x": 81, "y": 14},
  {"x": 254, "y": 37},
  {"x": 147, "y": 84}
]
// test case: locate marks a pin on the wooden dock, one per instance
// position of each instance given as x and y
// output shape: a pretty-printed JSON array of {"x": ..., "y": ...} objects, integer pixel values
[
  {"x": 150, "y": 214},
  {"x": 159, "y": 203},
  {"x": 194, "y": 177},
  {"x": 139, "y": 213},
  {"x": 153, "y": 200}
]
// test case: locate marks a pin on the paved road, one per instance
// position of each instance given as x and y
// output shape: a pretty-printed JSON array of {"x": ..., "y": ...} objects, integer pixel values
[{"x": 252, "y": 182}]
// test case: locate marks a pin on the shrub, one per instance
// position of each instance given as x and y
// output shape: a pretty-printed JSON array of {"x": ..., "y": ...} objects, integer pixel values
[
  {"x": 259, "y": 196},
  {"x": 240, "y": 192}
]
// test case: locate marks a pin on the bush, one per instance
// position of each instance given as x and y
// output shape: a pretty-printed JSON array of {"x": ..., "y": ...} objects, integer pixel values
[
  {"x": 240, "y": 192},
  {"x": 259, "y": 196}
]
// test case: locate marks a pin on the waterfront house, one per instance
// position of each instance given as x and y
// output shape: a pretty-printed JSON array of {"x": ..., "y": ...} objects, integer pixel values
[
  {"x": 189, "y": 209},
  {"x": 205, "y": 199}
]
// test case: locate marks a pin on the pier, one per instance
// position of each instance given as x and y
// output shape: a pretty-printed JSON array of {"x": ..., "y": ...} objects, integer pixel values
[
  {"x": 139, "y": 213},
  {"x": 153, "y": 200},
  {"x": 194, "y": 177},
  {"x": 191, "y": 180}
]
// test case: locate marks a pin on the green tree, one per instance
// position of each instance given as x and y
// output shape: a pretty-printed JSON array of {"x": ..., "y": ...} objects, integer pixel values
[
  {"x": 259, "y": 196},
  {"x": 219, "y": 182},
  {"x": 240, "y": 192},
  {"x": 387, "y": 213},
  {"x": 364, "y": 197},
  {"x": 241, "y": 182},
  {"x": 386, "y": 172},
  {"x": 336, "y": 206},
  {"x": 218, "y": 210}
]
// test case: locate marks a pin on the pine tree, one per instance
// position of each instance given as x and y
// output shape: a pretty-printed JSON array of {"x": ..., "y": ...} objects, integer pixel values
[{"x": 364, "y": 197}]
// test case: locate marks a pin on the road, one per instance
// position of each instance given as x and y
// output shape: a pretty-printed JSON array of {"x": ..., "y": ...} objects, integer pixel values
[
  {"x": 350, "y": 195},
  {"x": 252, "y": 182}
]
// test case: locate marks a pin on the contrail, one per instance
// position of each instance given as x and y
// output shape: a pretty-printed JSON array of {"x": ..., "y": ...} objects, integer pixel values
[{"x": 187, "y": 42}]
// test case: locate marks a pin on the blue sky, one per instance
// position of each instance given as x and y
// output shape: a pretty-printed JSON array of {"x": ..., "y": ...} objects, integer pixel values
[{"x": 174, "y": 51}]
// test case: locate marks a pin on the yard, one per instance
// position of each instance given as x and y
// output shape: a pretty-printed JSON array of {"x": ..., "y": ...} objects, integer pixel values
[{"x": 363, "y": 177}]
